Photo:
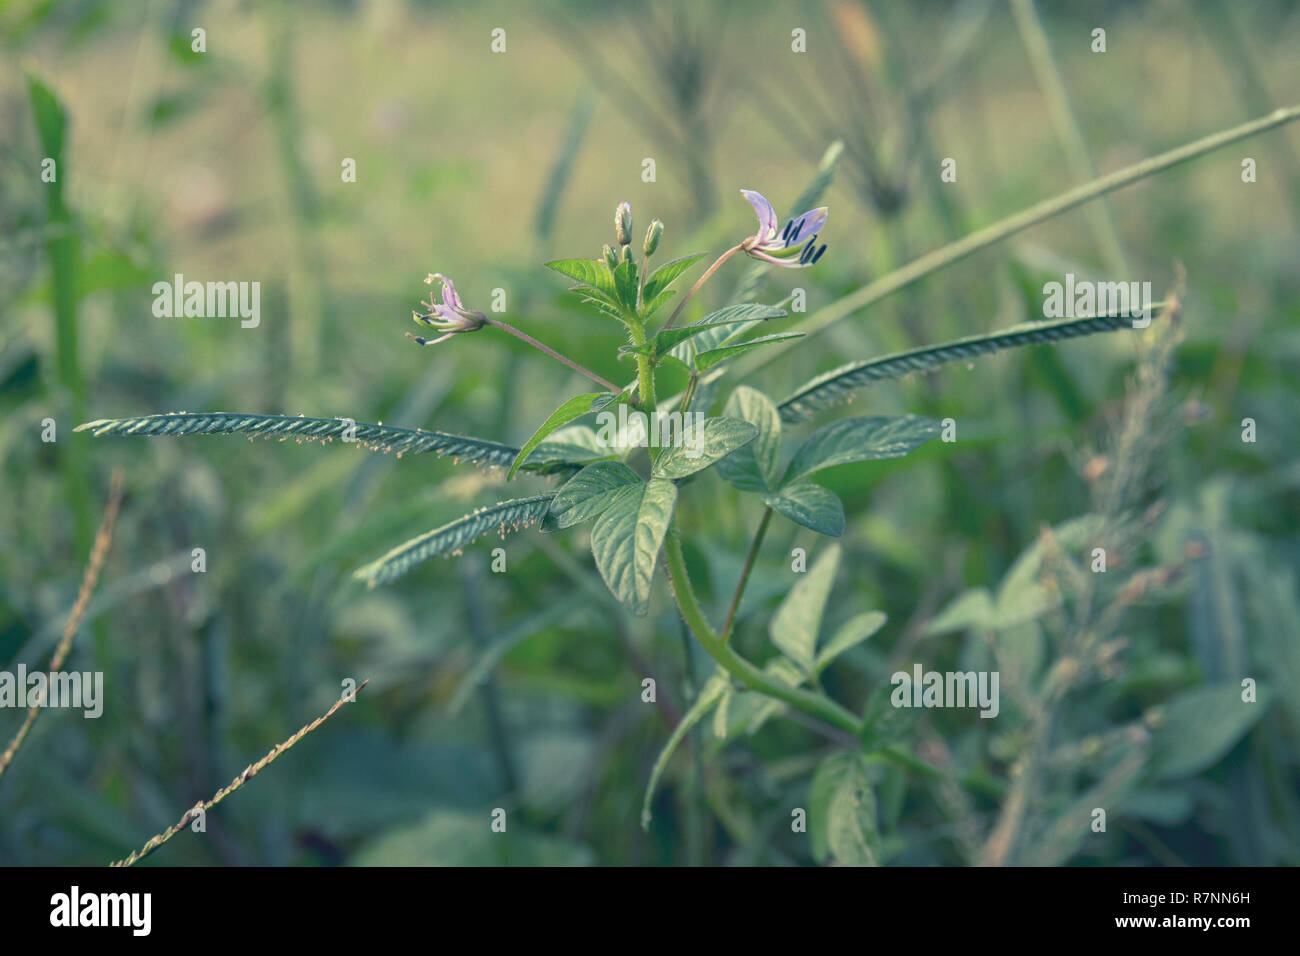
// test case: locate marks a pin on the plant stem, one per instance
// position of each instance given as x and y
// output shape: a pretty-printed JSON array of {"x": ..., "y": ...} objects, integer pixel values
[
  {"x": 1068, "y": 133},
  {"x": 645, "y": 370},
  {"x": 684, "y": 405},
  {"x": 1003, "y": 229},
  {"x": 744, "y": 574},
  {"x": 815, "y": 705},
  {"x": 699, "y": 282},
  {"x": 524, "y": 336}
]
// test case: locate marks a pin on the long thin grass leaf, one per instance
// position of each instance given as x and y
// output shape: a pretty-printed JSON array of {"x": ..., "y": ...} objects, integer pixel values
[
  {"x": 505, "y": 516},
  {"x": 383, "y": 438},
  {"x": 838, "y": 385}
]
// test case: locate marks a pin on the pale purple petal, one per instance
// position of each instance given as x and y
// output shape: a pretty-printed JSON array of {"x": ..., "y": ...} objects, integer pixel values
[
  {"x": 446, "y": 313},
  {"x": 767, "y": 227},
  {"x": 449, "y": 296},
  {"x": 809, "y": 224}
]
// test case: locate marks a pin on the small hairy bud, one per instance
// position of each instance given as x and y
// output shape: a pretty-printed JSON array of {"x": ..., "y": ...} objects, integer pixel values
[
  {"x": 652, "y": 237},
  {"x": 623, "y": 223},
  {"x": 611, "y": 257}
]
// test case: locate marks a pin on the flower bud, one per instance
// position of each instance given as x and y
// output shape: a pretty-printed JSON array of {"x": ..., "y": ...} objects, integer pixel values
[
  {"x": 623, "y": 223},
  {"x": 627, "y": 253},
  {"x": 652, "y": 236},
  {"x": 611, "y": 257}
]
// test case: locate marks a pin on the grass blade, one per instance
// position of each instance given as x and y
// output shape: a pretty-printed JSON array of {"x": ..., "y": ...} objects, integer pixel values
[
  {"x": 838, "y": 385},
  {"x": 514, "y": 514}
]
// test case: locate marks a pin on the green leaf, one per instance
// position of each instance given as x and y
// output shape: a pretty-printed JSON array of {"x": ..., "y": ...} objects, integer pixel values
[
  {"x": 590, "y": 272},
  {"x": 842, "y": 812},
  {"x": 808, "y": 504},
  {"x": 755, "y": 466},
  {"x": 627, "y": 536},
  {"x": 970, "y": 610},
  {"x": 50, "y": 118},
  {"x": 706, "y": 360},
  {"x": 852, "y": 633},
  {"x": 725, "y": 324},
  {"x": 666, "y": 340},
  {"x": 625, "y": 284},
  {"x": 554, "y": 456},
  {"x": 608, "y": 306},
  {"x": 860, "y": 439},
  {"x": 652, "y": 305},
  {"x": 575, "y": 407},
  {"x": 701, "y": 444},
  {"x": 450, "y": 538},
  {"x": 383, "y": 438},
  {"x": 668, "y": 273},
  {"x": 461, "y": 838},
  {"x": 709, "y": 695},
  {"x": 795, "y": 625},
  {"x": 757, "y": 708},
  {"x": 838, "y": 385},
  {"x": 1199, "y": 727},
  {"x": 590, "y": 492}
]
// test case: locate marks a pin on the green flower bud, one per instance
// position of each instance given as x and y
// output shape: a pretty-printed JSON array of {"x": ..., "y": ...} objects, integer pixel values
[
  {"x": 652, "y": 236},
  {"x": 627, "y": 253},
  {"x": 623, "y": 223},
  {"x": 611, "y": 257}
]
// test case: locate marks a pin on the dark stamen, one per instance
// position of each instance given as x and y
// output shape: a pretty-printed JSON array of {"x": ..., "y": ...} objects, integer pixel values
[
  {"x": 785, "y": 233},
  {"x": 806, "y": 254},
  {"x": 819, "y": 253},
  {"x": 794, "y": 234}
]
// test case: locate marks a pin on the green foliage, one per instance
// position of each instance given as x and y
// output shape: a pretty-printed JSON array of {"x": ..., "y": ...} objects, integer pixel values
[
  {"x": 756, "y": 466},
  {"x": 381, "y": 438},
  {"x": 706, "y": 360},
  {"x": 839, "y": 384},
  {"x": 451, "y": 538},
  {"x": 703, "y": 445},
  {"x": 627, "y": 536},
  {"x": 1133, "y": 710},
  {"x": 705, "y": 700},
  {"x": 842, "y": 823},
  {"x": 589, "y": 492},
  {"x": 1199, "y": 726},
  {"x": 796, "y": 623},
  {"x": 668, "y": 273},
  {"x": 461, "y": 838},
  {"x": 573, "y": 409},
  {"x": 859, "y": 439},
  {"x": 720, "y": 327}
]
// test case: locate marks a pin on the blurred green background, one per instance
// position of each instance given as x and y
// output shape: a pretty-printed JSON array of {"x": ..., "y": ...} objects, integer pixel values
[{"x": 226, "y": 166}]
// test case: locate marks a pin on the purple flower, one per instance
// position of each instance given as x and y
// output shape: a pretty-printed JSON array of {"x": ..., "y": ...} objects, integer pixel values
[
  {"x": 450, "y": 317},
  {"x": 776, "y": 245}
]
